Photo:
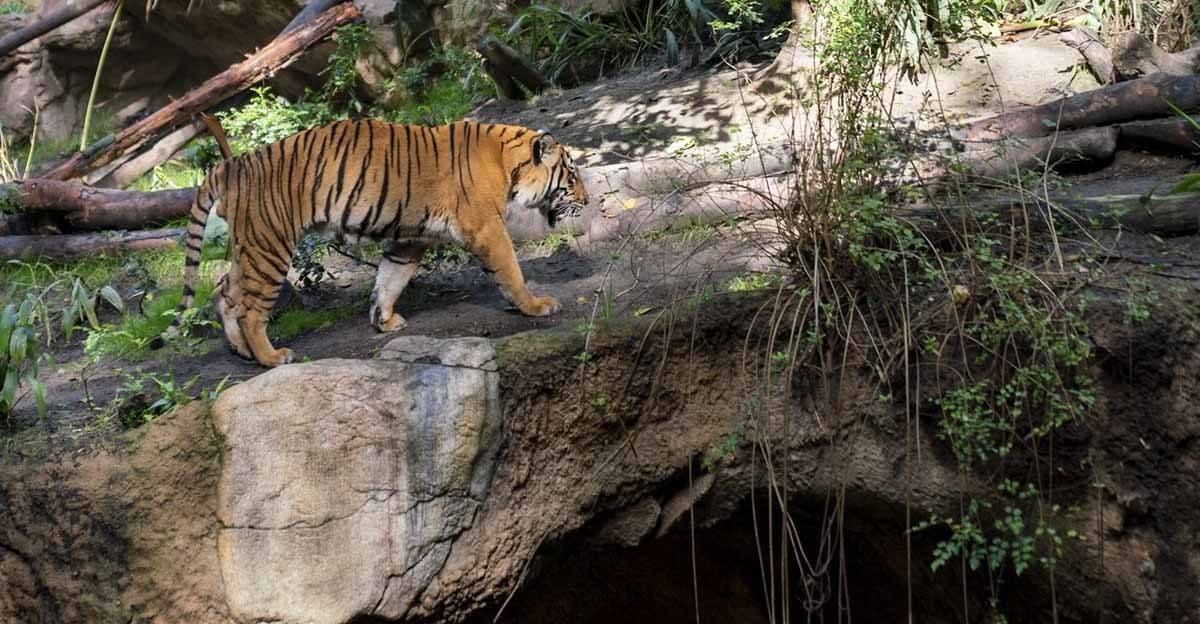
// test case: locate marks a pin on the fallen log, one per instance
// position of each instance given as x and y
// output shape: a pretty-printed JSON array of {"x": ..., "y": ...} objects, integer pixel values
[
  {"x": 45, "y": 23},
  {"x": 124, "y": 173},
  {"x": 1172, "y": 135},
  {"x": 1065, "y": 150},
  {"x": 276, "y": 55},
  {"x": 1143, "y": 98},
  {"x": 78, "y": 207},
  {"x": 1099, "y": 58},
  {"x": 1164, "y": 215},
  {"x": 71, "y": 245},
  {"x": 505, "y": 66},
  {"x": 1135, "y": 55}
]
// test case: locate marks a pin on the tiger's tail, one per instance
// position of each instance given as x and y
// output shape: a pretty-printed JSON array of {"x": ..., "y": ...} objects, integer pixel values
[{"x": 207, "y": 196}]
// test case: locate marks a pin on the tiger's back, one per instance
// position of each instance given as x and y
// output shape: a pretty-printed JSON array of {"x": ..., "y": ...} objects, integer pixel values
[{"x": 406, "y": 185}]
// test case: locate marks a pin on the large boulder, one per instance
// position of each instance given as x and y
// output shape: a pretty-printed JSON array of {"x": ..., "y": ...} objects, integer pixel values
[{"x": 346, "y": 481}]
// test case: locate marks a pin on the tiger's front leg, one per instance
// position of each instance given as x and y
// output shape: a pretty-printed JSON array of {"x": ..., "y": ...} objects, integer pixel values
[
  {"x": 400, "y": 262},
  {"x": 494, "y": 248}
]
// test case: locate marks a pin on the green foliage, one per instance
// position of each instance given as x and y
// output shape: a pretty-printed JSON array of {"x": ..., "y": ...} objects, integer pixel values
[
  {"x": 990, "y": 537},
  {"x": 1139, "y": 302},
  {"x": 268, "y": 118},
  {"x": 173, "y": 174},
  {"x": 574, "y": 46},
  {"x": 145, "y": 396},
  {"x": 445, "y": 257},
  {"x": 14, "y": 7},
  {"x": 64, "y": 291},
  {"x": 752, "y": 281},
  {"x": 296, "y": 321},
  {"x": 129, "y": 338},
  {"x": 20, "y": 356},
  {"x": 341, "y": 75},
  {"x": 442, "y": 88},
  {"x": 1037, "y": 352}
]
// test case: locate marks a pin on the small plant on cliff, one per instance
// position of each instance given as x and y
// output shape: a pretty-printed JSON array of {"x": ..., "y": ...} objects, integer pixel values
[{"x": 145, "y": 396}]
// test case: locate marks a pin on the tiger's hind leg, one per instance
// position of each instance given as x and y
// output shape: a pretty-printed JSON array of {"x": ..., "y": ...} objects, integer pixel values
[
  {"x": 260, "y": 286},
  {"x": 400, "y": 262},
  {"x": 224, "y": 303}
]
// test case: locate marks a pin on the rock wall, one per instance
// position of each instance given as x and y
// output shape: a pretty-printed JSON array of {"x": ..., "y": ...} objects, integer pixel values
[
  {"x": 180, "y": 44},
  {"x": 432, "y": 483}
]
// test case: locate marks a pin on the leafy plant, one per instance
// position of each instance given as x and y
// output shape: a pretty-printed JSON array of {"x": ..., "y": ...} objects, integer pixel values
[
  {"x": 15, "y": 7},
  {"x": 20, "y": 356},
  {"x": 145, "y": 396},
  {"x": 341, "y": 75}
]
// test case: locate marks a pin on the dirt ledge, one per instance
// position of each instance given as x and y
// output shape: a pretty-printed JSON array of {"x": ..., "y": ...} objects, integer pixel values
[{"x": 582, "y": 486}]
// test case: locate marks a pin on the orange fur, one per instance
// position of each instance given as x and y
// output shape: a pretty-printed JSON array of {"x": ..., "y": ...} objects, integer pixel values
[{"x": 408, "y": 186}]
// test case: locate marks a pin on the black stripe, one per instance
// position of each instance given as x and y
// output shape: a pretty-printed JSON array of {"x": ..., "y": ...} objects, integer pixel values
[
  {"x": 351, "y": 147},
  {"x": 457, "y": 161},
  {"x": 387, "y": 176},
  {"x": 437, "y": 161},
  {"x": 467, "y": 149}
]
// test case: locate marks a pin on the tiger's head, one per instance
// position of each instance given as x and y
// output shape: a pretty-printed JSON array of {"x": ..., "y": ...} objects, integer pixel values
[{"x": 549, "y": 181}]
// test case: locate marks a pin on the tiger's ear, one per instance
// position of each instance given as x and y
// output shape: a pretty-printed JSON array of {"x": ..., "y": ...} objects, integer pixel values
[{"x": 542, "y": 146}]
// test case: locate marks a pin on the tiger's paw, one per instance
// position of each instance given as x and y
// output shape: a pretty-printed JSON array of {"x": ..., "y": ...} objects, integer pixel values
[
  {"x": 541, "y": 306},
  {"x": 392, "y": 323},
  {"x": 279, "y": 358}
]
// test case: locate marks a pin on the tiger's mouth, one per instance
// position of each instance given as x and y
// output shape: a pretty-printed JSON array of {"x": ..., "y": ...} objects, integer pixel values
[{"x": 558, "y": 211}]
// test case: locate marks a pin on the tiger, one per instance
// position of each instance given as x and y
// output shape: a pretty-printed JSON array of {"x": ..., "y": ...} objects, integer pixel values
[{"x": 407, "y": 186}]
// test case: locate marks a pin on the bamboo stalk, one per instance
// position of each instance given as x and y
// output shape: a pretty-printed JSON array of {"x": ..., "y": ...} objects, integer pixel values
[{"x": 87, "y": 115}]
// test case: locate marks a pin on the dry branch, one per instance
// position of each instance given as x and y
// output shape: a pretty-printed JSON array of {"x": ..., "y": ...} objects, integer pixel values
[
  {"x": 1126, "y": 101},
  {"x": 276, "y": 55},
  {"x": 71, "y": 245},
  {"x": 46, "y": 23}
]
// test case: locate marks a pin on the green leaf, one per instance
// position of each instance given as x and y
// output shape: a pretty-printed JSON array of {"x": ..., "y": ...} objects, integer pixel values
[
  {"x": 109, "y": 294},
  {"x": 8, "y": 322},
  {"x": 18, "y": 345},
  {"x": 1188, "y": 184},
  {"x": 39, "y": 394},
  {"x": 8, "y": 392},
  {"x": 672, "y": 49}
]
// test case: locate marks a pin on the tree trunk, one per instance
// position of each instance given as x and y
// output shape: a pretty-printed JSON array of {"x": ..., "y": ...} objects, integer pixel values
[
  {"x": 275, "y": 56},
  {"x": 46, "y": 23},
  {"x": 1125, "y": 101},
  {"x": 71, "y": 245}
]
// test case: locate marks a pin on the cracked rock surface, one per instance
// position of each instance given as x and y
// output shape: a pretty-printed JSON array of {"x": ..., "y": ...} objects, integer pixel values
[{"x": 344, "y": 482}]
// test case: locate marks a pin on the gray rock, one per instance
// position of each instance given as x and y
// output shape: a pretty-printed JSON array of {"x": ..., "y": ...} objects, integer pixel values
[{"x": 344, "y": 482}]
